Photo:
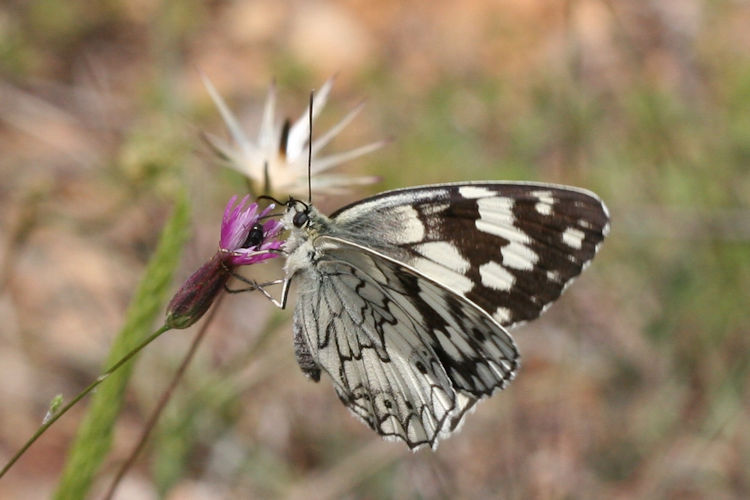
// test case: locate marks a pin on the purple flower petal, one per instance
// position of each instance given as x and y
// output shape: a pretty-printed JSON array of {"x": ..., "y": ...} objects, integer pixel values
[
  {"x": 237, "y": 223},
  {"x": 239, "y": 219},
  {"x": 246, "y": 256}
]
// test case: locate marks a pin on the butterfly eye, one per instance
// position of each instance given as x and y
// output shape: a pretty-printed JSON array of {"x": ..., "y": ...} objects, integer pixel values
[
  {"x": 254, "y": 237},
  {"x": 300, "y": 219}
]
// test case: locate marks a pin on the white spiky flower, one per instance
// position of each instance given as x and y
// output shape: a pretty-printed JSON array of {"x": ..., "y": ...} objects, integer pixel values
[{"x": 277, "y": 161}]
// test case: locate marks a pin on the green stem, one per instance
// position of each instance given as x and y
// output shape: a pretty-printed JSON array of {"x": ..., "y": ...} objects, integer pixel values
[
  {"x": 165, "y": 397},
  {"x": 101, "y": 378}
]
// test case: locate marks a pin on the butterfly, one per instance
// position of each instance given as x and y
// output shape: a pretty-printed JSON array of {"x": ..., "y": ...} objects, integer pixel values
[{"x": 405, "y": 298}]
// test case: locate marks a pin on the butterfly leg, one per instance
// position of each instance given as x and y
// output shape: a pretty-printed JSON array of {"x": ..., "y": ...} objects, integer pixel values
[
  {"x": 281, "y": 304},
  {"x": 254, "y": 285}
]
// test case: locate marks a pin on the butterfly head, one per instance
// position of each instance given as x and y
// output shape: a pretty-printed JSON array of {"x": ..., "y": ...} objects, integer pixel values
[
  {"x": 299, "y": 211},
  {"x": 297, "y": 214}
]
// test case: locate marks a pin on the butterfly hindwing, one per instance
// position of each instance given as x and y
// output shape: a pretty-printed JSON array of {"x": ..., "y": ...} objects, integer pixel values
[
  {"x": 406, "y": 355},
  {"x": 511, "y": 248}
]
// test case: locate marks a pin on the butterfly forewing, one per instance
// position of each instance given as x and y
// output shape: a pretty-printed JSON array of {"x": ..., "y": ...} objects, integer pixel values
[{"x": 511, "y": 248}]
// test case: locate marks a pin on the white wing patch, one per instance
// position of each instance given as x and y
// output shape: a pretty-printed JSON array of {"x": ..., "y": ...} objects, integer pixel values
[
  {"x": 496, "y": 218},
  {"x": 546, "y": 200},
  {"x": 472, "y": 192},
  {"x": 412, "y": 229},
  {"x": 445, "y": 253},
  {"x": 496, "y": 212},
  {"x": 573, "y": 237},
  {"x": 444, "y": 260},
  {"x": 518, "y": 256},
  {"x": 502, "y": 314},
  {"x": 496, "y": 277}
]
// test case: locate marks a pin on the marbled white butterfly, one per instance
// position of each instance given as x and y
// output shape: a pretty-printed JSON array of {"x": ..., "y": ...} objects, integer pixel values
[{"x": 405, "y": 298}]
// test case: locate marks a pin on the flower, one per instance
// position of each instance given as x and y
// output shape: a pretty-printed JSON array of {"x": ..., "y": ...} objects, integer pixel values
[
  {"x": 278, "y": 160},
  {"x": 244, "y": 241}
]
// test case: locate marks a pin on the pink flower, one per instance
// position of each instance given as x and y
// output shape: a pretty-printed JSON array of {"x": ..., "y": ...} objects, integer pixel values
[{"x": 244, "y": 240}]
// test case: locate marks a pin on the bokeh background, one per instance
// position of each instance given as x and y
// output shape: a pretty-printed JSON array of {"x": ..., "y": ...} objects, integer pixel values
[{"x": 635, "y": 385}]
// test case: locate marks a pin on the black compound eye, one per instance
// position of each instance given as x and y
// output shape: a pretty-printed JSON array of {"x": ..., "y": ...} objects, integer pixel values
[
  {"x": 300, "y": 219},
  {"x": 254, "y": 237}
]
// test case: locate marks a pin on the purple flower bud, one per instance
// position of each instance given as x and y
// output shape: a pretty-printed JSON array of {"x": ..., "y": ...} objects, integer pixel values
[
  {"x": 244, "y": 240},
  {"x": 197, "y": 294}
]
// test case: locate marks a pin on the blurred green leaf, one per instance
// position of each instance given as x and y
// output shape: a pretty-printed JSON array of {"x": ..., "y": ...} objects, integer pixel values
[{"x": 95, "y": 432}]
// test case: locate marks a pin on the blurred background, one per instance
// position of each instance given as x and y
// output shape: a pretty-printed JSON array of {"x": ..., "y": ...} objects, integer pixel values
[{"x": 634, "y": 385}]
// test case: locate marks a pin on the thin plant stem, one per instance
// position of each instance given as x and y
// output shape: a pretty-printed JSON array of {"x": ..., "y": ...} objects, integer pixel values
[
  {"x": 165, "y": 397},
  {"x": 101, "y": 378}
]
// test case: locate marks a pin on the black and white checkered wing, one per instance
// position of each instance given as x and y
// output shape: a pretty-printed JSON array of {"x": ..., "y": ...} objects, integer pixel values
[
  {"x": 510, "y": 248},
  {"x": 406, "y": 355}
]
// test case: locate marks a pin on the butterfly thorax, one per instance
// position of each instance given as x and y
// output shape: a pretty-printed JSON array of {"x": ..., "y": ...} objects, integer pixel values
[{"x": 300, "y": 245}]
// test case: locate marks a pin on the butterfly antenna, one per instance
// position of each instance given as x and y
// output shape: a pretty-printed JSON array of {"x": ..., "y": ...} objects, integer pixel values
[
  {"x": 266, "y": 178},
  {"x": 268, "y": 197},
  {"x": 309, "y": 150}
]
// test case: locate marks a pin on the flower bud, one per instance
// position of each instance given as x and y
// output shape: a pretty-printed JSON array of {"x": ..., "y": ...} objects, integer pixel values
[{"x": 197, "y": 294}]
